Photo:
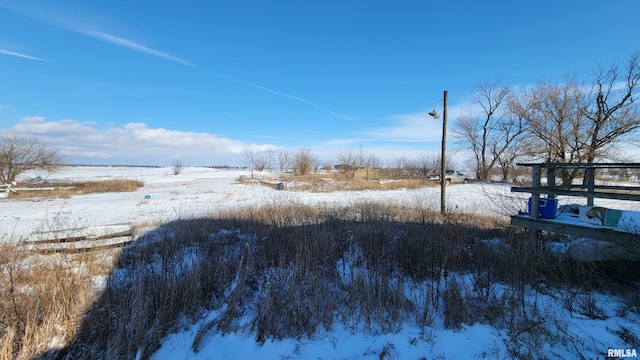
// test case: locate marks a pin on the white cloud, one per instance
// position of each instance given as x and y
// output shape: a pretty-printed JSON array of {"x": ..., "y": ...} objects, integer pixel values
[
  {"x": 414, "y": 127},
  {"x": 406, "y": 134},
  {"x": 20, "y": 55},
  {"x": 421, "y": 126},
  {"x": 38, "y": 125},
  {"x": 133, "y": 143}
]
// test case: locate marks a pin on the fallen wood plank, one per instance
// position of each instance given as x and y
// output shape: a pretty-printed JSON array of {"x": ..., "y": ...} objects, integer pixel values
[
  {"x": 84, "y": 233},
  {"x": 128, "y": 232},
  {"x": 77, "y": 247},
  {"x": 79, "y": 240}
]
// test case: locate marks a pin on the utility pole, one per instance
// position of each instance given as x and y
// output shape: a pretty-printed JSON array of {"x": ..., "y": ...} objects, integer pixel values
[{"x": 443, "y": 157}]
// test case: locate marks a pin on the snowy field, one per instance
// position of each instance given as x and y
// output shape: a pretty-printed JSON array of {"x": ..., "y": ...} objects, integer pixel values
[{"x": 199, "y": 192}]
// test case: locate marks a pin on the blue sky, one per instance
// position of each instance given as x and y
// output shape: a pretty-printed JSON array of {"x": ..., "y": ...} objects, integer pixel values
[{"x": 143, "y": 82}]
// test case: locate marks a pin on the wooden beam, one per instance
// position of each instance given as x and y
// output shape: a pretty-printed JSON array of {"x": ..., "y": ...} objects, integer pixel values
[
  {"x": 579, "y": 193},
  {"x": 585, "y": 166},
  {"x": 600, "y": 233},
  {"x": 616, "y": 189}
]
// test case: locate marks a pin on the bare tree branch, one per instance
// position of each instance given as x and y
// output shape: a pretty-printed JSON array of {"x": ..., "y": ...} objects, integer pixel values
[
  {"x": 493, "y": 132},
  {"x": 19, "y": 155}
]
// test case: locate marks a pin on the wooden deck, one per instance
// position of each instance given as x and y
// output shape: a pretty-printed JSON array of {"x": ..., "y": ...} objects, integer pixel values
[
  {"x": 560, "y": 226},
  {"x": 567, "y": 223}
]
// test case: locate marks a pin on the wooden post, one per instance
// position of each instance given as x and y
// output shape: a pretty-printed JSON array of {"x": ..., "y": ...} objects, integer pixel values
[
  {"x": 590, "y": 173},
  {"x": 551, "y": 181},
  {"x": 535, "y": 199},
  {"x": 443, "y": 157}
]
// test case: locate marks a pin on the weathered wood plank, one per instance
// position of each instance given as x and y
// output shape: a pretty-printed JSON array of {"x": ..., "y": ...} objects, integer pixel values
[
  {"x": 70, "y": 239},
  {"x": 615, "y": 188},
  {"x": 587, "y": 231},
  {"x": 585, "y": 166},
  {"x": 578, "y": 193},
  {"x": 78, "y": 247},
  {"x": 78, "y": 240}
]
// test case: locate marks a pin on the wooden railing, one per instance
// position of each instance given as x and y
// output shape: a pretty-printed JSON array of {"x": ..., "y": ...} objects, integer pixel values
[{"x": 588, "y": 189}]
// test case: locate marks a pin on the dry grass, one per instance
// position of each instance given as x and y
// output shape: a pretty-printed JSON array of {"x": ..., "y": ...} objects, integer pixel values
[
  {"x": 299, "y": 269},
  {"x": 43, "y": 299},
  {"x": 76, "y": 188},
  {"x": 328, "y": 182}
]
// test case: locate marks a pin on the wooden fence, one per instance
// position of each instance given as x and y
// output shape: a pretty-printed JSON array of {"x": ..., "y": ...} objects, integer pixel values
[{"x": 79, "y": 240}]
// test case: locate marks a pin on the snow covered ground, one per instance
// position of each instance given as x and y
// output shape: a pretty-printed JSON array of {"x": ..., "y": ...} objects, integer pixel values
[
  {"x": 198, "y": 191},
  {"x": 204, "y": 191}
]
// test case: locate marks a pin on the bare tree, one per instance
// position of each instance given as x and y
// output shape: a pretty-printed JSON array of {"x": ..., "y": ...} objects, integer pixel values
[
  {"x": 574, "y": 123},
  {"x": 254, "y": 159},
  {"x": 426, "y": 164},
  {"x": 19, "y": 155},
  {"x": 304, "y": 162},
  {"x": 507, "y": 159},
  {"x": 610, "y": 112},
  {"x": 284, "y": 160},
  {"x": 402, "y": 166},
  {"x": 553, "y": 116},
  {"x": 347, "y": 161},
  {"x": 365, "y": 159},
  {"x": 430, "y": 164},
  {"x": 492, "y": 133},
  {"x": 350, "y": 160},
  {"x": 269, "y": 157}
]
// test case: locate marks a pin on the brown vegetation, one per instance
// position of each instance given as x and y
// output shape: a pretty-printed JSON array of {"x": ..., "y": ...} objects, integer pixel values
[
  {"x": 300, "y": 269},
  {"x": 43, "y": 299},
  {"x": 65, "y": 189},
  {"x": 329, "y": 182}
]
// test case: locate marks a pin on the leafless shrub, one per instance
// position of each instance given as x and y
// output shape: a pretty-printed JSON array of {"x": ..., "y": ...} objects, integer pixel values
[
  {"x": 176, "y": 166},
  {"x": 455, "y": 307},
  {"x": 628, "y": 336}
]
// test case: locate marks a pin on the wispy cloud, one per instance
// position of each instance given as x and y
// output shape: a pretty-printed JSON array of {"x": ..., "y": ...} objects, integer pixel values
[
  {"x": 20, "y": 55},
  {"x": 69, "y": 21},
  {"x": 405, "y": 129},
  {"x": 131, "y": 45},
  {"x": 293, "y": 97}
]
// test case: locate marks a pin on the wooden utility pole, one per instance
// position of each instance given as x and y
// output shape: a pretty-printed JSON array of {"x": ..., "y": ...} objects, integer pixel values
[{"x": 443, "y": 157}]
